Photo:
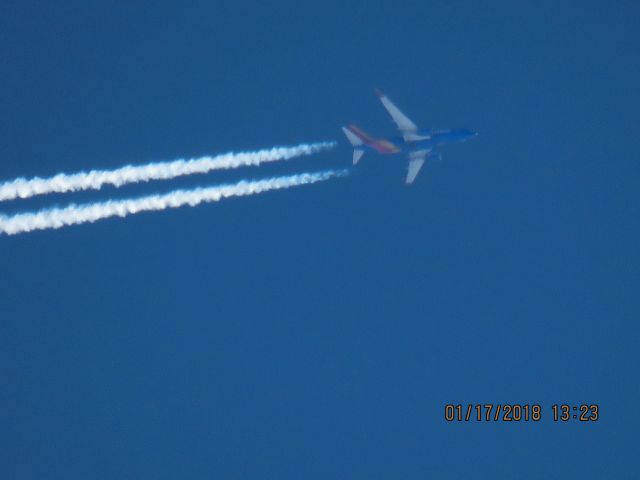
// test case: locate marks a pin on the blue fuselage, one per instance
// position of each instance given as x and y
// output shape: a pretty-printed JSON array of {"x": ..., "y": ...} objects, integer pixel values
[{"x": 432, "y": 139}]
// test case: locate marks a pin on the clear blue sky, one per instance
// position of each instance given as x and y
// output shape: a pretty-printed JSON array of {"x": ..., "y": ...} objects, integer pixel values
[{"x": 318, "y": 332}]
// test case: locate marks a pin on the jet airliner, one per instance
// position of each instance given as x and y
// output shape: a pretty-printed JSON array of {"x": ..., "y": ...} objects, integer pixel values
[{"x": 416, "y": 143}]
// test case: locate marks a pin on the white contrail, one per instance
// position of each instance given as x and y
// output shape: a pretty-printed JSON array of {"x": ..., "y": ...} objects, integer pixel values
[
  {"x": 95, "y": 179},
  {"x": 76, "y": 214}
]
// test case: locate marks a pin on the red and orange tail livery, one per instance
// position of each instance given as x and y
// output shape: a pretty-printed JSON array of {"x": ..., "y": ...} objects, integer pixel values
[{"x": 358, "y": 137}]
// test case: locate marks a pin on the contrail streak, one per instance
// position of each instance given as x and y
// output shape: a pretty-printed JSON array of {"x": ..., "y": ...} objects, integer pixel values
[
  {"x": 77, "y": 214},
  {"x": 95, "y": 179}
]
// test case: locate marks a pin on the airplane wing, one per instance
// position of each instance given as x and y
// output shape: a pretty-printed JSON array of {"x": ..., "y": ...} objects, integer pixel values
[
  {"x": 416, "y": 160},
  {"x": 405, "y": 125}
]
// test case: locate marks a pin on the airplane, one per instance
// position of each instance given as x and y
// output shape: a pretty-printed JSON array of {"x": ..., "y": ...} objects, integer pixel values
[{"x": 417, "y": 144}]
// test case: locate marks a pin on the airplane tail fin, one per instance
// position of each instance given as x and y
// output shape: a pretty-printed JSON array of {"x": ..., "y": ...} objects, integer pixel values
[{"x": 354, "y": 136}]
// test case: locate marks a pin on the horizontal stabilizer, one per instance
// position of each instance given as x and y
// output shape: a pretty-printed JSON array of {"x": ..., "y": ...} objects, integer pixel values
[
  {"x": 357, "y": 155},
  {"x": 352, "y": 137}
]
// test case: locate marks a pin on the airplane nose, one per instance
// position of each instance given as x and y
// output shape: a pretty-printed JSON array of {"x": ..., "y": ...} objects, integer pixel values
[{"x": 465, "y": 134}]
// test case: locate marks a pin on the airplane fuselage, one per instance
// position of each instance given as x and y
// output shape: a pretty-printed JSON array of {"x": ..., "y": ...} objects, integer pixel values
[{"x": 430, "y": 141}]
